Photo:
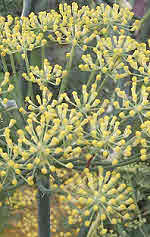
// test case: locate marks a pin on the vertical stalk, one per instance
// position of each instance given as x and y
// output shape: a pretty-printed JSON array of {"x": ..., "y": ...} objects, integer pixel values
[
  {"x": 4, "y": 64},
  {"x": 92, "y": 75},
  {"x": 43, "y": 202},
  {"x": 18, "y": 95},
  {"x": 102, "y": 85},
  {"x": 63, "y": 86},
  {"x": 12, "y": 64},
  {"x": 30, "y": 88},
  {"x": 93, "y": 226},
  {"x": 43, "y": 56},
  {"x": 26, "y": 7}
]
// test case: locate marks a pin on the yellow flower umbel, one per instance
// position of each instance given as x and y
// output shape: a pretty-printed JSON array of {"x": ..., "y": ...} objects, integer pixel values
[
  {"x": 107, "y": 140},
  {"x": 10, "y": 166},
  {"x": 47, "y": 75},
  {"x": 16, "y": 39},
  {"x": 53, "y": 136},
  {"x": 137, "y": 105},
  {"x": 99, "y": 199},
  {"x": 111, "y": 56},
  {"x": 71, "y": 25},
  {"x": 87, "y": 101}
]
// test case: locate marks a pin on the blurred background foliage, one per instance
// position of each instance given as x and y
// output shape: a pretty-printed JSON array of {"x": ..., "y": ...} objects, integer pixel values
[{"x": 12, "y": 7}]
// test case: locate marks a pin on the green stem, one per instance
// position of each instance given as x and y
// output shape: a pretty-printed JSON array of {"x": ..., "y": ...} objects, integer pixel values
[
  {"x": 93, "y": 226},
  {"x": 43, "y": 209},
  {"x": 30, "y": 88},
  {"x": 17, "y": 92},
  {"x": 92, "y": 4},
  {"x": 123, "y": 163},
  {"x": 12, "y": 64},
  {"x": 26, "y": 7},
  {"x": 64, "y": 83},
  {"x": 27, "y": 62},
  {"x": 4, "y": 64},
  {"x": 43, "y": 56},
  {"x": 102, "y": 85},
  {"x": 92, "y": 75}
]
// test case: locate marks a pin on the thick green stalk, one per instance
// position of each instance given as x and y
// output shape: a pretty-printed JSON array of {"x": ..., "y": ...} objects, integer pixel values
[
  {"x": 4, "y": 64},
  {"x": 43, "y": 56},
  {"x": 92, "y": 75},
  {"x": 64, "y": 83},
  {"x": 12, "y": 64},
  {"x": 18, "y": 95},
  {"x": 30, "y": 88},
  {"x": 43, "y": 201},
  {"x": 102, "y": 85}
]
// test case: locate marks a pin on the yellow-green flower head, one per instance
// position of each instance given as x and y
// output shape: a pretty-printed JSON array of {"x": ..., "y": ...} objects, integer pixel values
[
  {"x": 6, "y": 86},
  {"x": 14, "y": 38},
  {"x": 10, "y": 166},
  {"x": 53, "y": 134},
  {"x": 107, "y": 139},
  {"x": 49, "y": 74},
  {"x": 70, "y": 26},
  {"x": 100, "y": 197},
  {"x": 137, "y": 105},
  {"x": 111, "y": 54},
  {"x": 87, "y": 101}
]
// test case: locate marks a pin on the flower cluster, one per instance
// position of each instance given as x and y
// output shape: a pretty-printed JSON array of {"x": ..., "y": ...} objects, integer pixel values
[
  {"x": 70, "y": 26},
  {"x": 135, "y": 105},
  {"x": 49, "y": 74},
  {"x": 110, "y": 53},
  {"x": 108, "y": 142},
  {"x": 13, "y": 38},
  {"x": 55, "y": 134},
  {"x": 48, "y": 140},
  {"x": 5, "y": 87},
  {"x": 87, "y": 101},
  {"x": 98, "y": 198}
]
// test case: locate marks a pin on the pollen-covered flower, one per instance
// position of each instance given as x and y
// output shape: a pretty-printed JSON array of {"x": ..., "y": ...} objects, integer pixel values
[
  {"x": 97, "y": 198},
  {"x": 5, "y": 85},
  {"x": 137, "y": 104},
  {"x": 10, "y": 166},
  {"x": 111, "y": 56},
  {"x": 45, "y": 76},
  {"x": 53, "y": 137},
  {"x": 17, "y": 39},
  {"x": 108, "y": 141},
  {"x": 87, "y": 101}
]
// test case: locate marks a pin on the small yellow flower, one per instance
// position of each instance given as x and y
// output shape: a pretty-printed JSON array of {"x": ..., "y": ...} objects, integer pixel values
[
  {"x": 114, "y": 221},
  {"x": 87, "y": 223},
  {"x": 69, "y": 165},
  {"x": 14, "y": 182},
  {"x": 44, "y": 170}
]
